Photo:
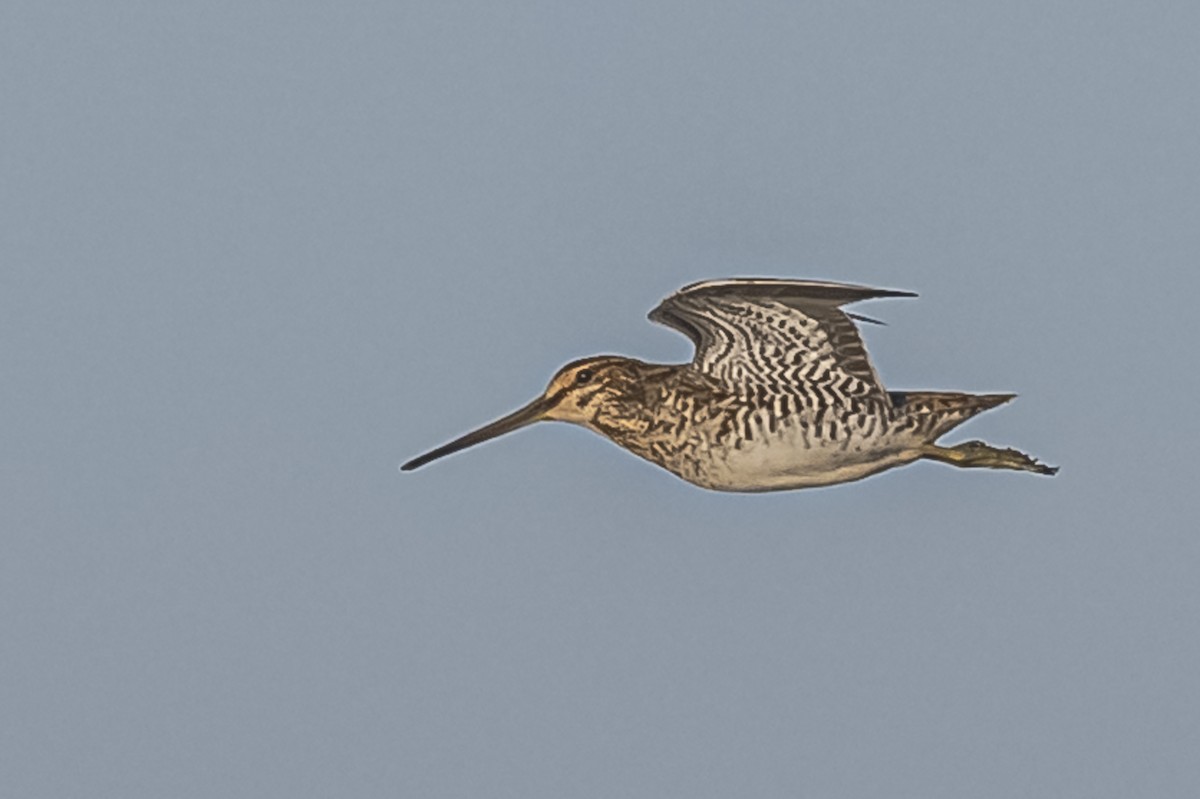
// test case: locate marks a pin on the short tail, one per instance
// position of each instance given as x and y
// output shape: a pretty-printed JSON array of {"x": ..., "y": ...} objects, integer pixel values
[{"x": 939, "y": 412}]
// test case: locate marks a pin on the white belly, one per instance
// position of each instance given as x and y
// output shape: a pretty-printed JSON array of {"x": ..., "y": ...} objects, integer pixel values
[{"x": 792, "y": 461}]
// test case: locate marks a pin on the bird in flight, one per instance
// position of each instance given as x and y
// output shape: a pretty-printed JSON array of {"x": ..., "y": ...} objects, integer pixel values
[{"x": 780, "y": 395}]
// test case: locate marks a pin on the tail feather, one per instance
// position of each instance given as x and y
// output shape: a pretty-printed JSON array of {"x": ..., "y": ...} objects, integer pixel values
[{"x": 942, "y": 411}]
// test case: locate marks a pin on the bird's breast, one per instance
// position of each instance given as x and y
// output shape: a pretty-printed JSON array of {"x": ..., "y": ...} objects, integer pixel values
[{"x": 791, "y": 453}]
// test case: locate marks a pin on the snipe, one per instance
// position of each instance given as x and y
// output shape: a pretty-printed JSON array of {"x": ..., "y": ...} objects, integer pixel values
[{"x": 780, "y": 394}]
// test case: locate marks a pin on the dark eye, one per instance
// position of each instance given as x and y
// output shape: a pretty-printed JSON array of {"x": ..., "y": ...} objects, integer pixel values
[{"x": 583, "y": 376}]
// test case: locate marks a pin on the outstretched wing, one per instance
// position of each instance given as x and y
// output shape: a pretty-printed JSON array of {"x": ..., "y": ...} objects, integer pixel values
[{"x": 765, "y": 337}]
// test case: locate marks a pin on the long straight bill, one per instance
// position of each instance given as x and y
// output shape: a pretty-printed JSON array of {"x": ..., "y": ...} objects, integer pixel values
[{"x": 517, "y": 419}]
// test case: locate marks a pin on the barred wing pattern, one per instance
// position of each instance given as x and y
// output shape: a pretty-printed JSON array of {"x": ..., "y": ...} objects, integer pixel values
[{"x": 767, "y": 339}]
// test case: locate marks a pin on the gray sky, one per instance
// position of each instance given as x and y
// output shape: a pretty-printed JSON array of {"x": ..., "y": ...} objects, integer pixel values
[{"x": 257, "y": 254}]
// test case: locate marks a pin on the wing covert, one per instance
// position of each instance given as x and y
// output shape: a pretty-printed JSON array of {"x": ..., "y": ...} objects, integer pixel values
[{"x": 766, "y": 337}]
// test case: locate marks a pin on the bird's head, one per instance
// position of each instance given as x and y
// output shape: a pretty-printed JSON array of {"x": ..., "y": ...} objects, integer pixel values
[{"x": 576, "y": 394}]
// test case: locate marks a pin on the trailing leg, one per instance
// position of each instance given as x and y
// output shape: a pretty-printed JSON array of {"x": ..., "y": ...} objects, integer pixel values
[{"x": 978, "y": 455}]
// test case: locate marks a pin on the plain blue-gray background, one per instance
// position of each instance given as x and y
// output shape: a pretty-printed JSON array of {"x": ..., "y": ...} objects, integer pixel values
[{"x": 256, "y": 254}]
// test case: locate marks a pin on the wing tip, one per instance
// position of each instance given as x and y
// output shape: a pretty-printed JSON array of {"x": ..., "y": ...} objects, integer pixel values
[{"x": 832, "y": 290}]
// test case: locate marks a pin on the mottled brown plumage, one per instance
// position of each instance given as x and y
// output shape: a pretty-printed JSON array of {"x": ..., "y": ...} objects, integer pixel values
[{"x": 781, "y": 394}]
